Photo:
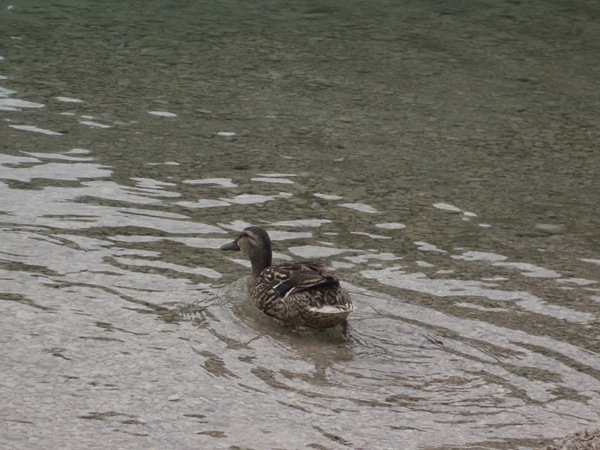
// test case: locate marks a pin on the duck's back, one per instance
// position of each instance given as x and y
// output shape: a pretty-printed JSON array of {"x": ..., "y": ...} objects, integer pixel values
[{"x": 302, "y": 293}]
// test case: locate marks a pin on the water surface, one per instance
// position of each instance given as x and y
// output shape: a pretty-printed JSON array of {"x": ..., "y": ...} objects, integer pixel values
[{"x": 444, "y": 158}]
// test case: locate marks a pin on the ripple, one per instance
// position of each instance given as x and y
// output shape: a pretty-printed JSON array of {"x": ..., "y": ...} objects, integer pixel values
[
  {"x": 286, "y": 235},
  {"x": 362, "y": 207},
  {"x": 426, "y": 247},
  {"x": 15, "y": 104},
  {"x": 35, "y": 129},
  {"x": 390, "y": 225},
  {"x": 301, "y": 223},
  {"x": 328, "y": 196},
  {"x": 6, "y": 92},
  {"x": 447, "y": 207},
  {"x": 419, "y": 282},
  {"x": 204, "y": 203},
  {"x": 371, "y": 235},
  {"x": 480, "y": 256},
  {"x": 250, "y": 199},
  {"x": 591, "y": 260},
  {"x": 94, "y": 124},
  {"x": 530, "y": 270},
  {"x": 162, "y": 113},
  {"x": 66, "y": 156},
  {"x": 272, "y": 180},
  {"x": 209, "y": 273},
  {"x": 369, "y": 256},
  {"x": 577, "y": 281},
  {"x": 54, "y": 171},
  {"x": 278, "y": 175},
  {"x": 68, "y": 99},
  {"x": 223, "y": 182},
  {"x": 315, "y": 251}
]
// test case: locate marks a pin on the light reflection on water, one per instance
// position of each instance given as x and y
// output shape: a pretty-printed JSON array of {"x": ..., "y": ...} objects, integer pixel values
[{"x": 119, "y": 313}]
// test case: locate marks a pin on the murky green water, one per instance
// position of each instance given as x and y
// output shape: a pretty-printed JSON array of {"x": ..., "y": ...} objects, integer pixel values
[{"x": 443, "y": 157}]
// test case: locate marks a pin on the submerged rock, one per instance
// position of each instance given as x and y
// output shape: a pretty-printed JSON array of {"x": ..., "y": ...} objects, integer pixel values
[{"x": 580, "y": 440}]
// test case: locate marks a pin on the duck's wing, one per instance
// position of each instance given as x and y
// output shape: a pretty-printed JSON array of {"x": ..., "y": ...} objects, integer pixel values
[{"x": 288, "y": 278}]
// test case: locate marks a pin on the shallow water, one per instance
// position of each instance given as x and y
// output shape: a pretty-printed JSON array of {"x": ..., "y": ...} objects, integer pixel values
[{"x": 443, "y": 158}]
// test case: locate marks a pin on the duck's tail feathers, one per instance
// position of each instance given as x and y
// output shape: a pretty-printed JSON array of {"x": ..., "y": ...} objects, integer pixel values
[{"x": 333, "y": 310}]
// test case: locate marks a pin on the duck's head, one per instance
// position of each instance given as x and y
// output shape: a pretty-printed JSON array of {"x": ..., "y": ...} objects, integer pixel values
[{"x": 255, "y": 244}]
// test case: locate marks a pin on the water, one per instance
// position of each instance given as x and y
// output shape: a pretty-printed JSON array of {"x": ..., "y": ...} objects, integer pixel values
[{"x": 442, "y": 157}]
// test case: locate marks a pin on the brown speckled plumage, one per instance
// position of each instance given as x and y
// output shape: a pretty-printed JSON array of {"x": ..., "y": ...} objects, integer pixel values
[{"x": 295, "y": 294}]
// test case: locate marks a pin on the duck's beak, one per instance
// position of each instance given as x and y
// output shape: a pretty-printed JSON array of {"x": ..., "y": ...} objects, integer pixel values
[{"x": 231, "y": 246}]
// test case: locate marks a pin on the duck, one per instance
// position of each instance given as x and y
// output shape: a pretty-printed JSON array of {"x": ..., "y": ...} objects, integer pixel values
[{"x": 296, "y": 294}]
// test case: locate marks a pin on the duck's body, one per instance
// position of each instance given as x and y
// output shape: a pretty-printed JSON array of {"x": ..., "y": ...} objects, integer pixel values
[{"x": 295, "y": 294}]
